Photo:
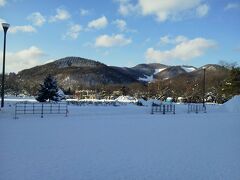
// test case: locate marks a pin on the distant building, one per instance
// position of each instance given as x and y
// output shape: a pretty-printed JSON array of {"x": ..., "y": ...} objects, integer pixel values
[{"x": 85, "y": 94}]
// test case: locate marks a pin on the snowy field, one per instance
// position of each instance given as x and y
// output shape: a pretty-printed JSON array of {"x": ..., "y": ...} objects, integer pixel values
[{"x": 121, "y": 143}]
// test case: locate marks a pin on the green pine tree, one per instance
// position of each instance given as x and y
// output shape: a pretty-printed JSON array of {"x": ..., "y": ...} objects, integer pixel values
[{"x": 48, "y": 90}]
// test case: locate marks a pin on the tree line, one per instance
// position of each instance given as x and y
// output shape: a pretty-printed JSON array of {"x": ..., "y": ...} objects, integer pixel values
[{"x": 219, "y": 87}]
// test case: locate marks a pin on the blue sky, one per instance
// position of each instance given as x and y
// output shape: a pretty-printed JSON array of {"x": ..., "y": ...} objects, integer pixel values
[{"x": 121, "y": 32}]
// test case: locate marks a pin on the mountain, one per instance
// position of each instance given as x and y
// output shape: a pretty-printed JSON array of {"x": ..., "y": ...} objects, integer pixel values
[
  {"x": 77, "y": 71},
  {"x": 71, "y": 71},
  {"x": 149, "y": 69},
  {"x": 160, "y": 72},
  {"x": 214, "y": 74},
  {"x": 142, "y": 72},
  {"x": 170, "y": 72}
]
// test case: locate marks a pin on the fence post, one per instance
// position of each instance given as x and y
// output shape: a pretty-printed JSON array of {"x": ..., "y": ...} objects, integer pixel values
[
  {"x": 66, "y": 110},
  {"x": 163, "y": 109},
  {"x": 15, "y": 111},
  {"x": 173, "y": 109},
  {"x": 33, "y": 109},
  {"x": 42, "y": 111},
  {"x": 24, "y": 108},
  {"x": 205, "y": 109},
  {"x": 152, "y": 109}
]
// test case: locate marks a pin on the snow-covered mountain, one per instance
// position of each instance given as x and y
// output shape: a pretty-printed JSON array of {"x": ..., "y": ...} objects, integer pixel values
[
  {"x": 166, "y": 72},
  {"x": 71, "y": 71}
]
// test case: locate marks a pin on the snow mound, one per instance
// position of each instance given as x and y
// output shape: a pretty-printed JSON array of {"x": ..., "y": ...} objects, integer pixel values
[
  {"x": 127, "y": 99},
  {"x": 233, "y": 105}
]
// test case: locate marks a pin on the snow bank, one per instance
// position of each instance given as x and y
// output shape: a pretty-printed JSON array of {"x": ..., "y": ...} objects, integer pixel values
[
  {"x": 126, "y": 99},
  {"x": 149, "y": 102},
  {"x": 233, "y": 105},
  {"x": 124, "y": 142}
]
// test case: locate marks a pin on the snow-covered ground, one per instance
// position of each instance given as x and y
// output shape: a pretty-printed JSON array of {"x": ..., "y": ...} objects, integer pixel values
[{"x": 121, "y": 142}]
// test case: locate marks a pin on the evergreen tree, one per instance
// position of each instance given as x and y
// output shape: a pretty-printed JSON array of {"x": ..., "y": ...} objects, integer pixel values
[
  {"x": 49, "y": 90},
  {"x": 232, "y": 84}
]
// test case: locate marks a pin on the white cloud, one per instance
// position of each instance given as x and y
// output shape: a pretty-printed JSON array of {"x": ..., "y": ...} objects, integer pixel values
[
  {"x": 25, "y": 28},
  {"x": 202, "y": 10},
  {"x": 37, "y": 19},
  {"x": 126, "y": 8},
  {"x": 2, "y": 3},
  {"x": 99, "y": 23},
  {"x": 170, "y": 40},
  {"x": 164, "y": 10},
  {"x": 73, "y": 31},
  {"x": 26, "y": 58},
  {"x": 232, "y": 6},
  {"x": 2, "y": 20},
  {"x": 121, "y": 24},
  {"x": 184, "y": 51},
  {"x": 61, "y": 15},
  {"x": 84, "y": 12},
  {"x": 167, "y": 9},
  {"x": 110, "y": 41}
]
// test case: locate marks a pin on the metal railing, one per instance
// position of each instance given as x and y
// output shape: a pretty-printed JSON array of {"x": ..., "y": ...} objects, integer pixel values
[
  {"x": 40, "y": 108},
  {"x": 196, "y": 108},
  {"x": 163, "y": 108}
]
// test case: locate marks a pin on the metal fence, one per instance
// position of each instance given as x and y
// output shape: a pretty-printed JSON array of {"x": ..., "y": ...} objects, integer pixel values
[
  {"x": 40, "y": 108},
  {"x": 163, "y": 108},
  {"x": 196, "y": 108}
]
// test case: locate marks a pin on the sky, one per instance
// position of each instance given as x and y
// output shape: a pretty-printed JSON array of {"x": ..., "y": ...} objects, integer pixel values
[{"x": 121, "y": 32}]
